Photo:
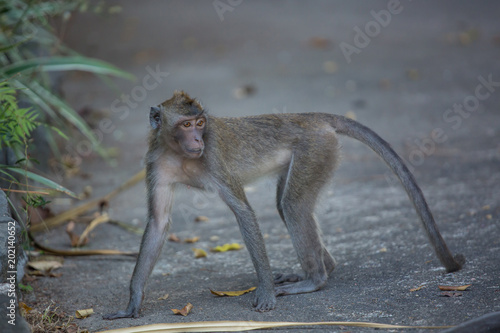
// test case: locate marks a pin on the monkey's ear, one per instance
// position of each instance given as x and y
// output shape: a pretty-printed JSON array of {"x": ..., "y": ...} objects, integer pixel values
[{"x": 155, "y": 117}]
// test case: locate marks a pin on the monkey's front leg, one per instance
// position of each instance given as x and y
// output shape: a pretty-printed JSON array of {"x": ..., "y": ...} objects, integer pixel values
[
  {"x": 265, "y": 299},
  {"x": 160, "y": 203}
]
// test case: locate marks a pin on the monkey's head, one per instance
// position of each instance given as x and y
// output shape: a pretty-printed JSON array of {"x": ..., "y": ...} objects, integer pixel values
[{"x": 180, "y": 123}]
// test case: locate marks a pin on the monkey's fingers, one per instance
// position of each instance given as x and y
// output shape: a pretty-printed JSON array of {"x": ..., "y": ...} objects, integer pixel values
[{"x": 264, "y": 301}]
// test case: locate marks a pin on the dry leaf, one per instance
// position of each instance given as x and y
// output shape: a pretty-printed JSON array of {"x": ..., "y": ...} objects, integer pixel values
[
  {"x": 174, "y": 238},
  {"x": 164, "y": 297},
  {"x": 225, "y": 326},
  {"x": 86, "y": 193},
  {"x": 227, "y": 247},
  {"x": 99, "y": 219},
  {"x": 350, "y": 115},
  {"x": 45, "y": 273},
  {"x": 413, "y": 74},
  {"x": 385, "y": 83},
  {"x": 25, "y": 309},
  {"x": 244, "y": 91},
  {"x": 454, "y": 288},
  {"x": 192, "y": 239},
  {"x": 45, "y": 265},
  {"x": 74, "y": 238},
  {"x": 417, "y": 288},
  {"x": 232, "y": 293},
  {"x": 80, "y": 314},
  {"x": 38, "y": 214},
  {"x": 184, "y": 311},
  {"x": 199, "y": 253},
  {"x": 320, "y": 43},
  {"x": 201, "y": 219},
  {"x": 330, "y": 67},
  {"x": 451, "y": 294},
  {"x": 383, "y": 250}
]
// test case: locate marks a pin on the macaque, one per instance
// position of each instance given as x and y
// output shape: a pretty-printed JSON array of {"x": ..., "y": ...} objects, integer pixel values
[{"x": 191, "y": 147}]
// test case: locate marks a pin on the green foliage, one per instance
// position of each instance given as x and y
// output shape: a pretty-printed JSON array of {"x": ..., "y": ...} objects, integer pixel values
[
  {"x": 25, "y": 288},
  {"x": 16, "y": 124},
  {"x": 30, "y": 49}
]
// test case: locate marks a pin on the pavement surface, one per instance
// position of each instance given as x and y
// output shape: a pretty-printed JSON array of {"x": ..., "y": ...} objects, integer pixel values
[{"x": 424, "y": 75}]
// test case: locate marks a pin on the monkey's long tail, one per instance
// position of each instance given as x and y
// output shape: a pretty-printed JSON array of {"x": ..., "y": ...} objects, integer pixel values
[{"x": 362, "y": 133}]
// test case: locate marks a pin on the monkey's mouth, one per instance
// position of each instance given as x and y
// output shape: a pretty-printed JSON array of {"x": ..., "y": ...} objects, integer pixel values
[{"x": 194, "y": 152}]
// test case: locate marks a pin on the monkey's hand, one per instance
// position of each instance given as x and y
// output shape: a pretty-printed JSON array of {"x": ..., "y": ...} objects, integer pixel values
[
  {"x": 264, "y": 300},
  {"x": 129, "y": 313}
]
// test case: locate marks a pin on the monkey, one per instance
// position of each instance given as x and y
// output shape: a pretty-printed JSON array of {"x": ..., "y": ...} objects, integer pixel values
[{"x": 191, "y": 147}]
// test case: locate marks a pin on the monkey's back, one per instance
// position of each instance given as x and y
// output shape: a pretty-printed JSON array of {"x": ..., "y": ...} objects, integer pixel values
[{"x": 269, "y": 141}]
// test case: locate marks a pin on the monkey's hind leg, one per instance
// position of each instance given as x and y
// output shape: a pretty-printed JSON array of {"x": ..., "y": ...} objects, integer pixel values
[{"x": 296, "y": 196}]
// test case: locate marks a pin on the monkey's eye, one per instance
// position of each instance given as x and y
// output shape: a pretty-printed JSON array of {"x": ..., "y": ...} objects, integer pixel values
[
  {"x": 187, "y": 124},
  {"x": 200, "y": 123}
]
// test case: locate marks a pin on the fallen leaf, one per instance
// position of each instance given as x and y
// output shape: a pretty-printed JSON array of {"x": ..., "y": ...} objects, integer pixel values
[
  {"x": 320, "y": 43},
  {"x": 244, "y": 91},
  {"x": 489, "y": 216},
  {"x": 486, "y": 207},
  {"x": 201, "y": 219},
  {"x": 496, "y": 40},
  {"x": 174, "y": 238},
  {"x": 383, "y": 250},
  {"x": 417, "y": 289},
  {"x": 232, "y": 293},
  {"x": 45, "y": 273},
  {"x": 74, "y": 238},
  {"x": 214, "y": 238},
  {"x": 226, "y": 247},
  {"x": 80, "y": 314},
  {"x": 190, "y": 43},
  {"x": 413, "y": 74},
  {"x": 385, "y": 83},
  {"x": 467, "y": 37},
  {"x": 45, "y": 265},
  {"x": 99, "y": 219},
  {"x": 350, "y": 115},
  {"x": 164, "y": 297},
  {"x": 451, "y": 294},
  {"x": 38, "y": 214},
  {"x": 25, "y": 309},
  {"x": 192, "y": 240},
  {"x": 330, "y": 67},
  {"x": 454, "y": 288},
  {"x": 199, "y": 253},
  {"x": 184, "y": 311},
  {"x": 86, "y": 193}
]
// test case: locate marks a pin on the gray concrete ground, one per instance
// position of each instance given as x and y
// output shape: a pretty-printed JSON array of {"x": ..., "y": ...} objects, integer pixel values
[{"x": 405, "y": 76}]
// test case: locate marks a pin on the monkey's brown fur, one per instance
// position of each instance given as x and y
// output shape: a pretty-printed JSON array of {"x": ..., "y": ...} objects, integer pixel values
[{"x": 188, "y": 146}]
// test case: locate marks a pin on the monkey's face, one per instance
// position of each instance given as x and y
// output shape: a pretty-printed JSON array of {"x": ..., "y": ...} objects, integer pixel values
[
  {"x": 188, "y": 135},
  {"x": 179, "y": 123}
]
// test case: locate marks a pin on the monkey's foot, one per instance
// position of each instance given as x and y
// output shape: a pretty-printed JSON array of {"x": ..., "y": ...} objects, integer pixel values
[
  {"x": 305, "y": 286},
  {"x": 264, "y": 301},
  {"x": 287, "y": 278},
  {"x": 120, "y": 314}
]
